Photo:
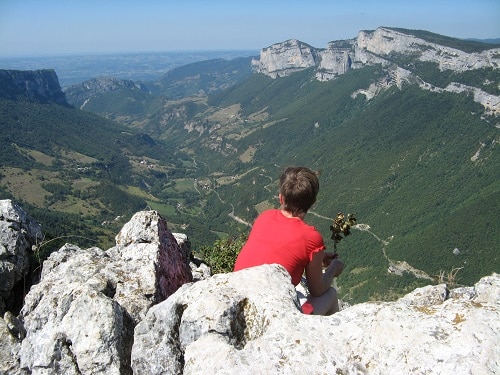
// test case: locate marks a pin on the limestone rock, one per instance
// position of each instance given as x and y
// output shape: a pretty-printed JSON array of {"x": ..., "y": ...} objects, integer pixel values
[
  {"x": 282, "y": 59},
  {"x": 73, "y": 328},
  {"x": 384, "y": 41},
  {"x": 146, "y": 243},
  {"x": 41, "y": 85},
  {"x": 248, "y": 322},
  {"x": 10, "y": 344},
  {"x": 377, "y": 47},
  {"x": 368, "y": 48},
  {"x": 18, "y": 234},
  {"x": 80, "y": 318},
  {"x": 100, "y": 312}
]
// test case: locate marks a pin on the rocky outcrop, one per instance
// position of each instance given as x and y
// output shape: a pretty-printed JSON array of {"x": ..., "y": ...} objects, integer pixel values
[
  {"x": 384, "y": 42},
  {"x": 81, "y": 316},
  {"x": 80, "y": 94},
  {"x": 378, "y": 47},
  {"x": 40, "y": 85},
  {"x": 147, "y": 244},
  {"x": 132, "y": 309},
  {"x": 369, "y": 48},
  {"x": 283, "y": 59},
  {"x": 73, "y": 324},
  {"x": 248, "y": 322},
  {"x": 19, "y": 233},
  {"x": 11, "y": 334}
]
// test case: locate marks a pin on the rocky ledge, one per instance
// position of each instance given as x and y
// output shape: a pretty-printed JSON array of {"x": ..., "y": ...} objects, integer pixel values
[
  {"x": 369, "y": 48},
  {"x": 146, "y": 306},
  {"x": 39, "y": 85}
]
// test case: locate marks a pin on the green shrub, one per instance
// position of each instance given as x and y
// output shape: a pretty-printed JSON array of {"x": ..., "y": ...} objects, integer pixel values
[{"x": 221, "y": 256}]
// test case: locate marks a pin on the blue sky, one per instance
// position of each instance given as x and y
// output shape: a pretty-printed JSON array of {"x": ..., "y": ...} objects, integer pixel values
[{"x": 51, "y": 27}]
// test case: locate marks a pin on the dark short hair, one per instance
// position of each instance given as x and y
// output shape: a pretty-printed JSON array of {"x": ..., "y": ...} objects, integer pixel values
[{"x": 299, "y": 187}]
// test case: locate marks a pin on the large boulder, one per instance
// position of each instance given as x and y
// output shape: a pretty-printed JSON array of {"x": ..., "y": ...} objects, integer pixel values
[
  {"x": 80, "y": 318},
  {"x": 151, "y": 262},
  {"x": 72, "y": 327},
  {"x": 248, "y": 322},
  {"x": 19, "y": 233}
]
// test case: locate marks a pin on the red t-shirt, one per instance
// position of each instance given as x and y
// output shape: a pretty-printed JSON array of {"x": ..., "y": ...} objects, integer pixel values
[{"x": 275, "y": 238}]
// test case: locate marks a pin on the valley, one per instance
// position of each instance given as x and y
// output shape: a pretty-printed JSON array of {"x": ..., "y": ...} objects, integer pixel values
[
  {"x": 204, "y": 146},
  {"x": 75, "y": 69}
]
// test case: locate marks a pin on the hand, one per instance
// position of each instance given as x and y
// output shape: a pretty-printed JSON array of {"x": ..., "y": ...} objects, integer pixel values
[
  {"x": 337, "y": 266},
  {"x": 328, "y": 257}
]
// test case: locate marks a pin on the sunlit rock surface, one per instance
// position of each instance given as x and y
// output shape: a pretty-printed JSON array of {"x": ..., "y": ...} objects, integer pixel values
[
  {"x": 248, "y": 322},
  {"x": 136, "y": 308}
]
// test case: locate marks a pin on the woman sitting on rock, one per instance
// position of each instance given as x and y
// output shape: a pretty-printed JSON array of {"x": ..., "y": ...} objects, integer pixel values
[{"x": 281, "y": 236}]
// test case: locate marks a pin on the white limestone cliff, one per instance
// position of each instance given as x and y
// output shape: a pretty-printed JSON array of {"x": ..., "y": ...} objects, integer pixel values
[
  {"x": 384, "y": 41},
  {"x": 282, "y": 59},
  {"x": 19, "y": 233},
  {"x": 376, "y": 47}
]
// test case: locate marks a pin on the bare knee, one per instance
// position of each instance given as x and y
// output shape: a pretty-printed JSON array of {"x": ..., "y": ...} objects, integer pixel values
[{"x": 326, "y": 304}]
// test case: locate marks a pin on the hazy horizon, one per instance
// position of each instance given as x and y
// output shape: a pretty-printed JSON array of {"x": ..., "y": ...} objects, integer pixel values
[
  {"x": 32, "y": 28},
  {"x": 124, "y": 53}
]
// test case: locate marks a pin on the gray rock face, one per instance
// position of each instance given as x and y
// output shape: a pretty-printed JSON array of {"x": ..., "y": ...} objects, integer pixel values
[
  {"x": 369, "y": 48},
  {"x": 80, "y": 317},
  {"x": 248, "y": 322},
  {"x": 124, "y": 311},
  {"x": 42, "y": 85},
  {"x": 11, "y": 334},
  {"x": 283, "y": 59},
  {"x": 18, "y": 234},
  {"x": 78, "y": 95},
  {"x": 74, "y": 328},
  {"x": 384, "y": 41},
  {"x": 146, "y": 242},
  {"x": 374, "y": 47}
]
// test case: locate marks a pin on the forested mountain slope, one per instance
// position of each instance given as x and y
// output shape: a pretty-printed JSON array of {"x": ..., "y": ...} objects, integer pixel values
[{"x": 409, "y": 147}]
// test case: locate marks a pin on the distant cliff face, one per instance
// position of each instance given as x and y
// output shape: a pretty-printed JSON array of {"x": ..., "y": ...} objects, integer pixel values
[
  {"x": 370, "y": 47},
  {"x": 385, "y": 41},
  {"x": 41, "y": 85},
  {"x": 378, "y": 47},
  {"x": 282, "y": 59},
  {"x": 78, "y": 95}
]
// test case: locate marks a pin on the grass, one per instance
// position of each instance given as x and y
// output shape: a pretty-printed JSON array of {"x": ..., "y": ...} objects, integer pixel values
[
  {"x": 84, "y": 183},
  {"x": 165, "y": 210},
  {"x": 262, "y": 206},
  {"x": 220, "y": 235},
  {"x": 226, "y": 180},
  {"x": 39, "y": 157},
  {"x": 248, "y": 155},
  {"x": 77, "y": 157},
  {"x": 138, "y": 192},
  {"x": 225, "y": 114},
  {"x": 27, "y": 185},
  {"x": 184, "y": 184}
]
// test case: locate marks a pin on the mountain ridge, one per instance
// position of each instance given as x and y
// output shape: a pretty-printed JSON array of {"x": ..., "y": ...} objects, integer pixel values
[
  {"x": 418, "y": 166},
  {"x": 42, "y": 85},
  {"x": 377, "y": 47}
]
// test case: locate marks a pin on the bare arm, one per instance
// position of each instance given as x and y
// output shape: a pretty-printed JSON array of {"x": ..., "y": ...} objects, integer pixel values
[{"x": 318, "y": 281}]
